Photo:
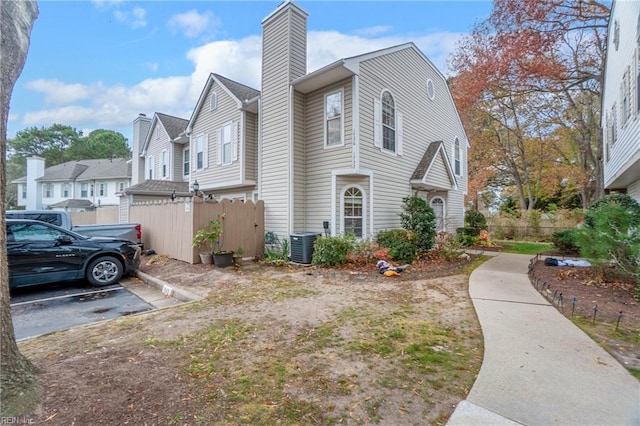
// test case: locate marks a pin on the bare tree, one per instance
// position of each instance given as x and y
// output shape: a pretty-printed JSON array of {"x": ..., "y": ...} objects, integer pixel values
[{"x": 19, "y": 389}]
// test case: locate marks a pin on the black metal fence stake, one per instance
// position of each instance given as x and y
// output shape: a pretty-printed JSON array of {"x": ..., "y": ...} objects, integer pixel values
[
  {"x": 595, "y": 312},
  {"x": 573, "y": 308},
  {"x": 620, "y": 314}
]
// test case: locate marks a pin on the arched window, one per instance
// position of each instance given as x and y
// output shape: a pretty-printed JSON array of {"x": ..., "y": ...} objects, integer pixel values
[
  {"x": 353, "y": 212},
  {"x": 437, "y": 204},
  {"x": 388, "y": 122},
  {"x": 457, "y": 156}
]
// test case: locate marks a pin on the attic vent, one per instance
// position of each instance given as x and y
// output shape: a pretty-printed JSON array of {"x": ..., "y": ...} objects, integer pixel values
[
  {"x": 214, "y": 101},
  {"x": 431, "y": 91}
]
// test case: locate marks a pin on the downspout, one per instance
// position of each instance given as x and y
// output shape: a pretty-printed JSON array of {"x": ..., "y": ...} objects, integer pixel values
[
  {"x": 291, "y": 161},
  {"x": 259, "y": 158}
]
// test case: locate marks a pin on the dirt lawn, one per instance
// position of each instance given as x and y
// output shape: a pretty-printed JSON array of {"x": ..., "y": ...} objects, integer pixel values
[
  {"x": 271, "y": 345},
  {"x": 282, "y": 345}
]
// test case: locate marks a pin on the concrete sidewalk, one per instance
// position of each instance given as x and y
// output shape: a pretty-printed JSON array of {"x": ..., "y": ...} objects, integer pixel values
[{"x": 539, "y": 368}]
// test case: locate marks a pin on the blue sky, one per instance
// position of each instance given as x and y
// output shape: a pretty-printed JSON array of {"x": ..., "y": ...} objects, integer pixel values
[{"x": 97, "y": 64}]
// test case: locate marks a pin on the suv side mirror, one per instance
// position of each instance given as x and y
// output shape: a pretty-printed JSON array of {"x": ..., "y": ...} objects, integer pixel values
[{"x": 64, "y": 240}]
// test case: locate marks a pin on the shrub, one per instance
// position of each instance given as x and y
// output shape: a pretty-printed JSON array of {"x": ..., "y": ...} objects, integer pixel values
[
  {"x": 401, "y": 244},
  {"x": 447, "y": 246},
  {"x": 363, "y": 252},
  {"x": 465, "y": 236},
  {"x": 611, "y": 234},
  {"x": 418, "y": 218},
  {"x": 565, "y": 241},
  {"x": 474, "y": 222},
  {"x": 331, "y": 251}
]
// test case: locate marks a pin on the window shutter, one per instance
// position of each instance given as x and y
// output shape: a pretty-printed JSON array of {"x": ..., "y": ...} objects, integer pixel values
[
  {"x": 219, "y": 159},
  {"x": 205, "y": 150},
  {"x": 193, "y": 153},
  {"x": 377, "y": 123},
  {"x": 234, "y": 141},
  {"x": 399, "y": 133}
]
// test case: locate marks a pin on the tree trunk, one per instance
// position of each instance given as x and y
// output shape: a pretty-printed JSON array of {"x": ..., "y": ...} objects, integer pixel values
[{"x": 19, "y": 390}]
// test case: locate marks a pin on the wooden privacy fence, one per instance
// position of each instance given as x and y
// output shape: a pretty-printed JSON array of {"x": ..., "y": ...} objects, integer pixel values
[
  {"x": 101, "y": 216},
  {"x": 168, "y": 227}
]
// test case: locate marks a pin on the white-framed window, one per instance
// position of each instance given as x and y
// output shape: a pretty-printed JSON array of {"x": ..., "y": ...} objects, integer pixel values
[
  {"x": 150, "y": 167},
  {"x": 255, "y": 197},
  {"x": 24, "y": 191},
  {"x": 200, "y": 152},
  {"x": 388, "y": 122},
  {"x": 84, "y": 190},
  {"x": 431, "y": 90},
  {"x": 457, "y": 155},
  {"x": 164, "y": 164},
  {"x": 213, "y": 101},
  {"x": 122, "y": 186},
  {"x": 65, "y": 190},
  {"x": 186, "y": 162},
  {"x": 228, "y": 143},
  {"x": 353, "y": 211},
  {"x": 387, "y": 125},
  {"x": 334, "y": 119},
  {"x": 156, "y": 131},
  {"x": 102, "y": 189},
  {"x": 48, "y": 190},
  {"x": 437, "y": 204}
]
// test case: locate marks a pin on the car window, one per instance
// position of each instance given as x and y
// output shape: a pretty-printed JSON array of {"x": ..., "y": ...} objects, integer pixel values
[{"x": 32, "y": 232}]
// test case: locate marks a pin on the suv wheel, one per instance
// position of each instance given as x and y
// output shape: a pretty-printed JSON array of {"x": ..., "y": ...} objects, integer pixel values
[{"x": 104, "y": 271}]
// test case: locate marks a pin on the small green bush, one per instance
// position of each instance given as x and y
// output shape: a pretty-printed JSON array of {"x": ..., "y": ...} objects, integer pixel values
[
  {"x": 475, "y": 222},
  {"x": 565, "y": 241},
  {"x": 611, "y": 234},
  {"x": 331, "y": 251},
  {"x": 418, "y": 218},
  {"x": 401, "y": 244}
]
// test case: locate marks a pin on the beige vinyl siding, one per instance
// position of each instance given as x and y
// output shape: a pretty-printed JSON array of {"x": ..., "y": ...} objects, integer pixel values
[
  {"x": 283, "y": 59},
  {"x": 155, "y": 148},
  {"x": 633, "y": 190},
  {"x": 438, "y": 174},
  {"x": 251, "y": 147},
  {"x": 405, "y": 74},
  {"x": 300, "y": 164},
  {"x": 176, "y": 170},
  {"x": 209, "y": 123},
  {"x": 320, "y": 161}
]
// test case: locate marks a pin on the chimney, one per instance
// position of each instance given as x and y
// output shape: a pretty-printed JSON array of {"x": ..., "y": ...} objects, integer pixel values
[
  {"x": 141, "y": 127},
  {"x": 284, "y": 58},
  {"x": 35, "y": 170}
]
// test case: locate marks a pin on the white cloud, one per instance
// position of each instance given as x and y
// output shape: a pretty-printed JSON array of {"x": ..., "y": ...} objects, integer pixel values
[
  {"x": 193, "y": 24},
  {"x": 373, "y": 31},
  {"x": 58, "y": 92},
  {"x": 116, "y": 106},
  {"x": 135, "y": 18}
]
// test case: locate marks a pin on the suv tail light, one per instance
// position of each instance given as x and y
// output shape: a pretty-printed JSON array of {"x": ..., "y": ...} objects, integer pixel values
[{"x": 139, "y": 232}]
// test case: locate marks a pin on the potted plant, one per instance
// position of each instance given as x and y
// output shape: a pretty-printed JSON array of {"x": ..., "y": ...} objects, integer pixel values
[
  {"x": 222, "y": 258},
  {"x": 206, "y": 238},
  {"x": 237, "y": 256}
]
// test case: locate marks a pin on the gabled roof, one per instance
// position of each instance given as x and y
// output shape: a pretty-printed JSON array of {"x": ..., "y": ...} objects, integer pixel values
[
  {"x": 244, "y": 96},
  {"x": 159, "y": 187},
  {"x": 435, "y": 153},
  {"x": 73, "y": 204},
  {"x": 87, "y": 170},
  {"x": 174, "y": 126}
]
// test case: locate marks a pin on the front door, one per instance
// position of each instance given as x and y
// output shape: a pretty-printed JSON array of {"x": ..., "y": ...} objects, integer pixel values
[{"x": 437, "y": 204}]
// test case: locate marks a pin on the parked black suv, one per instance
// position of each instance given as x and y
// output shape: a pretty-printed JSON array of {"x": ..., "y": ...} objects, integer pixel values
[{"x": 41, "y": 253}]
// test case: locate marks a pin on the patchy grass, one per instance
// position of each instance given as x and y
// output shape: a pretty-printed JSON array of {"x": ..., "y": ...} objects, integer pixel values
[{"x": 524, "y": 247}]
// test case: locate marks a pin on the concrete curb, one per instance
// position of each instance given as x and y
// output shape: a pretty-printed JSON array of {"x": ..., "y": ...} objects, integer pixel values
[{"x": 167, "y": 288}]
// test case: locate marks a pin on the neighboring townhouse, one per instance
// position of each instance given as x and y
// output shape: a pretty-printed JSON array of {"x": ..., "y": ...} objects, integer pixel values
[
  {"x": 621, "y": 100},
  {"x": 74, "y": 185},
  {"x": 338, "y": 147}
]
